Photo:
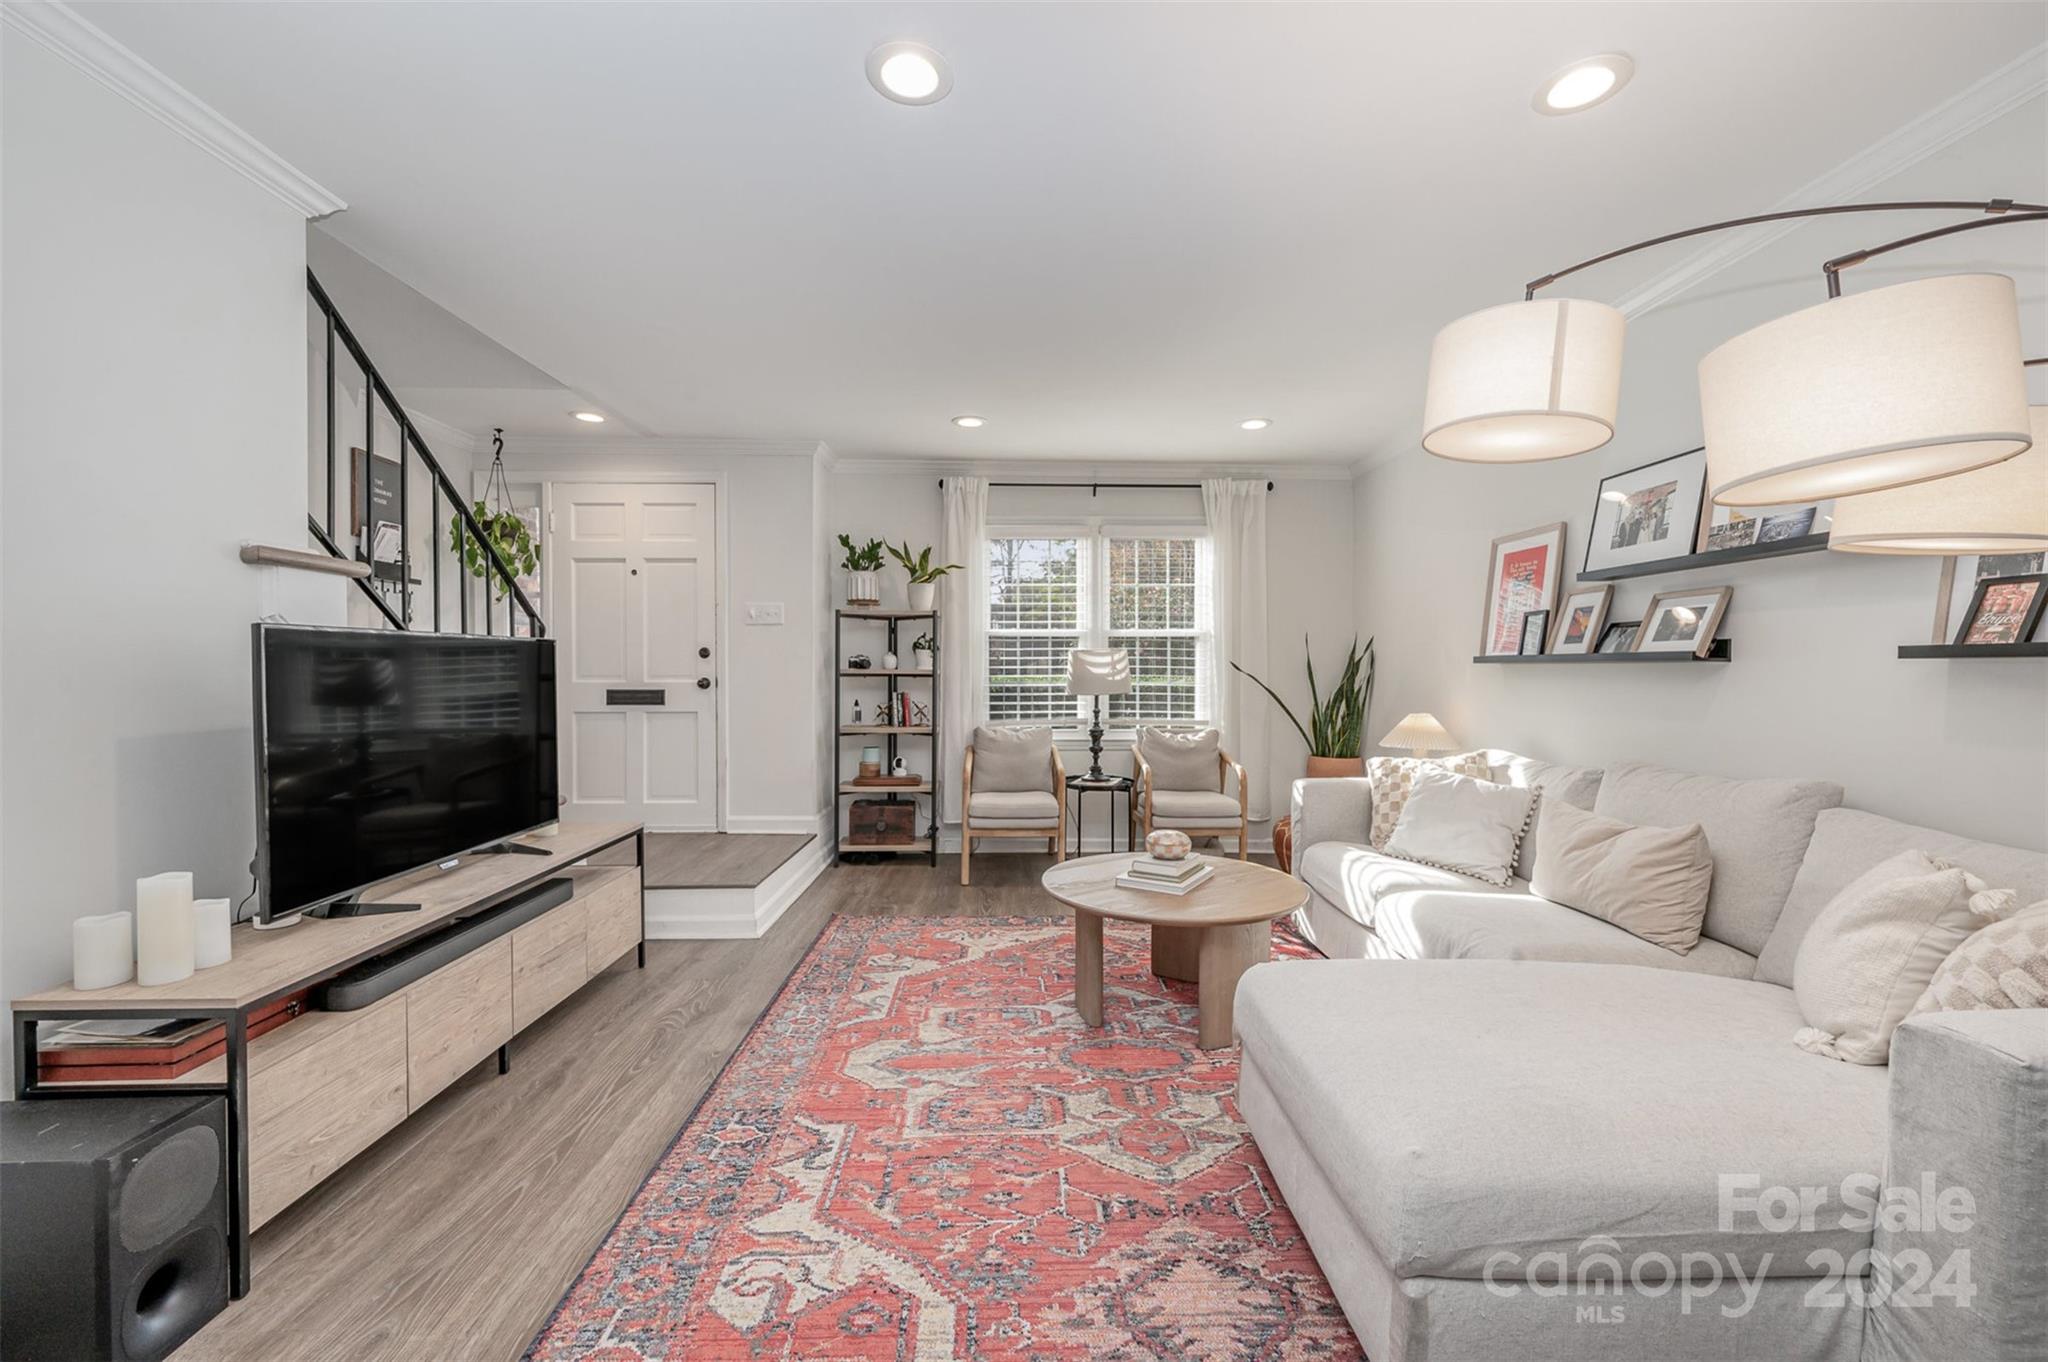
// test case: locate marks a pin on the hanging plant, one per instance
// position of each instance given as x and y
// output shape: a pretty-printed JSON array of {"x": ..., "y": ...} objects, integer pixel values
[{"x": 502, "y": 526}]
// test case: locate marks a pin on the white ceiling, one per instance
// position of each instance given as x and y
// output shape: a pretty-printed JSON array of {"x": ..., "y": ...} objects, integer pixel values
[{"x": 1126, "y": 229}]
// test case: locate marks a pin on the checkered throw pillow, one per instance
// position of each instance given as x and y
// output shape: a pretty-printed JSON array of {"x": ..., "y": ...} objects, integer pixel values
[
  {"x": 1394, "y": 777},
  {"x": 2004, "y": 965}
]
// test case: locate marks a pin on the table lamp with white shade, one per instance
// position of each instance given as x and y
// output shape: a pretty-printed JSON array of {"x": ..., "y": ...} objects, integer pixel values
[
  {"x": 1420, "y": 734},
  {"x": 1098, "y": 672}
]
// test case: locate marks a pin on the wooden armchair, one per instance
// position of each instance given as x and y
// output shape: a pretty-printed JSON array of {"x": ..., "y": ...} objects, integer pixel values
[
  {"x": 1202, "y": 808},
  {"x": 1004, "y": 809}
]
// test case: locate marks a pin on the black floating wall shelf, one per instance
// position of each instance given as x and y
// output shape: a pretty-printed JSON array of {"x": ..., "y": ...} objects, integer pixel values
[
  {"x": 1915, "y": 650},
  {"x": 1809, "y": 543},
  {"x": 1719, "y": 652}
]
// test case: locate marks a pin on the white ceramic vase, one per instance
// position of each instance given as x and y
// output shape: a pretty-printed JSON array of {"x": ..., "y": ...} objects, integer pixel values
[
  {"x": 924, "y": 659},
  {"x": 922, "y": 594},
  {"x": 862, "y": 589}
]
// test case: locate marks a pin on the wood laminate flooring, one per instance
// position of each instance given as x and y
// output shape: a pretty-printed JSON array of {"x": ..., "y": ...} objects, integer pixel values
[
  {"x": 718, "y": 860},
  {"x": 451, "y": 1239}
]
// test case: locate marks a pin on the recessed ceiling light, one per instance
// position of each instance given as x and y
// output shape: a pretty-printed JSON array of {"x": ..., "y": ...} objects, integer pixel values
[
  {"x": 1256, "y": 423},
  {"x": 1585, "y": 83},
  {"x": 594, "y": 418},
  {"x": 969, "y": 422},
  {"x": 909, "y": 73}
]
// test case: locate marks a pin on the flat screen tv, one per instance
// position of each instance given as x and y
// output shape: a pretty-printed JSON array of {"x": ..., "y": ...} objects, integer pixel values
[{"x": 379, "y": 752}]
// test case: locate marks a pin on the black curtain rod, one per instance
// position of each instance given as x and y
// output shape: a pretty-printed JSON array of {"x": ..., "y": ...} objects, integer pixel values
[{"x": 1094, "y": 487}]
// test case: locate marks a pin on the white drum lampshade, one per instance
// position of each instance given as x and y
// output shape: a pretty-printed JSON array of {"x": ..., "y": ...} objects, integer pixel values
[
  {"x": 1873, "y": 390},
  {"x": 1098, "y": 671},
  {"x": 1524, "y": 382},
  {"x": 2000, "y": 509}
]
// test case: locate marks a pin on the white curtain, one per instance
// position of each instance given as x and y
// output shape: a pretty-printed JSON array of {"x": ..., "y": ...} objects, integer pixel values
[
  {"x": 1236, "y": 511},
  {"x": 963, "y": 627}
]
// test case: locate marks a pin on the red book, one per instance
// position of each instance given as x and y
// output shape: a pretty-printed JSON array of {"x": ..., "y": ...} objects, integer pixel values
[{"x": 151, "y": 1056}]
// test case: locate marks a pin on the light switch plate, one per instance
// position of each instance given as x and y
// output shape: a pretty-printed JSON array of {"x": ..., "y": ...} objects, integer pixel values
[{"x": 764, "y": 612}]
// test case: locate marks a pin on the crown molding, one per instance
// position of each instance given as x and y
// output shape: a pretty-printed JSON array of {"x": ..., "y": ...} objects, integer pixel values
[
  {"x": 1112, "y": 470},
  {"x": 587, "y": 446},
  {"x": 2023, "y": 78},
  {"x": 93, "y": 51},
  {"x": 441, "y": 436}
]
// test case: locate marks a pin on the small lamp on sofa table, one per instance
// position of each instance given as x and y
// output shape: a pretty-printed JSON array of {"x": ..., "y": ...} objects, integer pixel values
[
  {"x": 1420, "y": 734},
  {"x": 1098, "y": 672}
]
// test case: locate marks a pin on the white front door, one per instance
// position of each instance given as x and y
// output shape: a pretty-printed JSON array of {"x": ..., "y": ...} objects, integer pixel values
[{"x": 632, "y": 588}]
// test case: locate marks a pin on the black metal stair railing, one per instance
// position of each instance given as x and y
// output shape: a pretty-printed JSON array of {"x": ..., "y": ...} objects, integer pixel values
[{"x": 499, "y": 577}]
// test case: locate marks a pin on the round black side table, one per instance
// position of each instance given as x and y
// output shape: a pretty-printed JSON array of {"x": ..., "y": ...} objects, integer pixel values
[{"x": 1080, "y": 787}]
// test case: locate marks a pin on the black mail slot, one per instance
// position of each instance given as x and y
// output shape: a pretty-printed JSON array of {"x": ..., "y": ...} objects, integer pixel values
[{"x": 636, "y": 697}]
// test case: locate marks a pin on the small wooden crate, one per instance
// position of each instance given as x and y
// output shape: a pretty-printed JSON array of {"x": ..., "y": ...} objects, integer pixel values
[{"x": 881, "y": 822}]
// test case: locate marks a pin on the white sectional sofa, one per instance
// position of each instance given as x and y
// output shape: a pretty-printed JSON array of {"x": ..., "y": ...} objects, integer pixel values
[{"x": 1498, "y": 1106}]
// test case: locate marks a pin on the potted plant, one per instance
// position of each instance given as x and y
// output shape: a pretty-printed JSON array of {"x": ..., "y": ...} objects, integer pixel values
[
  {"x": 924, "y": 649},
  {"x": 924, "y": 578},
  {"x": 1336, "y": 725},
  {"x": 506, "y": 529},
  {"x": 862, "y": 564}
]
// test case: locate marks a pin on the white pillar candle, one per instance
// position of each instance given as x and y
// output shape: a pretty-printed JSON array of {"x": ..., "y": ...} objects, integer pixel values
[
  {"x": 163, "y": 927},
  {"x": 212, "y": 943},
  {"x": 102, "y": 950}
]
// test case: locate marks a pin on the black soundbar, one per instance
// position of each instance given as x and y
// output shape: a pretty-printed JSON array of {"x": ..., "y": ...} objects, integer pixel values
[{"x": 363, "y": 984}]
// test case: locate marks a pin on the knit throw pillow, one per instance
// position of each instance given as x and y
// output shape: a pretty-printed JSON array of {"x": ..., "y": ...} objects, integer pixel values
[
  {"x": 1393, "y": 780},
  {"x": 1877, "y": 945},
  {"x": 2003, "y": 965}
]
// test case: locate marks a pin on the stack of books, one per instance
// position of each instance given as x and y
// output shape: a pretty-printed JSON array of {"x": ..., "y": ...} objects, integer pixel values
[
  {"x": 1164, "y": 877},
  {"x": 145, "y": 1049}
]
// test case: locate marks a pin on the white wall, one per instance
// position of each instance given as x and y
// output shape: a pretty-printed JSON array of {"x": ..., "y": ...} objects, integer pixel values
[
  {"x": 770, "y": 680},
  {"x": 154, "y": 414},
  {"x": 1815, "y": 687},
  {"x": 1311, "y": 583}
]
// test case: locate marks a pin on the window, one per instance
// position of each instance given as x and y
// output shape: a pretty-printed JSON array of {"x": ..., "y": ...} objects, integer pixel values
[{"x": 1144, "y": 591}]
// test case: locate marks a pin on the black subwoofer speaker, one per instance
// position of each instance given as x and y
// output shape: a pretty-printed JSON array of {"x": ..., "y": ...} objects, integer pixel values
[{"x": 113, "y": 1225}]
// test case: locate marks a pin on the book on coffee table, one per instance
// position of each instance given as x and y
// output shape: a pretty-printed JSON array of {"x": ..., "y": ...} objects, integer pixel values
[
  {"x": 1152, "y": 868},
  {"x": 1152, "y": 884}
]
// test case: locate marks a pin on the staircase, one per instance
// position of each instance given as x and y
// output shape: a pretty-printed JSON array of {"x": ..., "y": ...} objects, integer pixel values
[{"x": 439, "y": 573}]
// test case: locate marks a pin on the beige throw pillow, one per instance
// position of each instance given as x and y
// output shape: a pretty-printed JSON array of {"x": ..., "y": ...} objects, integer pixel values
[
  {"x": 1182, "y": 761},
  {"x": 1874, "y": 949},
  {"x": 1651, "y": 882},
  {"x": 2003, "y": 965},
  {"x": 1393, "y": 777},
  {"x": 1461, "y": 823},
  {"x": 1012, "y": 759}
]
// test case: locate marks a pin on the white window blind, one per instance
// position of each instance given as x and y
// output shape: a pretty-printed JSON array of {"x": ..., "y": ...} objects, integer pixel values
[{"x": 1145, "y": 591}]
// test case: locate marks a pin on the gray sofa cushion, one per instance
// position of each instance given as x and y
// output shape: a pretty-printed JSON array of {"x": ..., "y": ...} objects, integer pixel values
[
  {"x": 1195, "y": 806},
  {"x": 1847, "y": 842},
  {"x": 1577, "y": 786},
  {"x": 1757, "y": 830},
  {"x": 1012, "y": 758},
  {"x": 1461, "y": 1107},
  {"x": 1012, "y": 808}
]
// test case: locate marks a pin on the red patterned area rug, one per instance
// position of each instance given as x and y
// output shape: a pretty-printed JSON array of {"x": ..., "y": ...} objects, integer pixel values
[{"x": 920, "y": 1152}]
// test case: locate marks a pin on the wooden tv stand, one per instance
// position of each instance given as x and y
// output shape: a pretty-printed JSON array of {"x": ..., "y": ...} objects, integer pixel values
[{"x": 304, "y": 1099}]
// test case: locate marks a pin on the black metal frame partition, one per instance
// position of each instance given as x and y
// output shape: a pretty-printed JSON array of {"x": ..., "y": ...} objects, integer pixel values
[{"x": 498, "y": 574}]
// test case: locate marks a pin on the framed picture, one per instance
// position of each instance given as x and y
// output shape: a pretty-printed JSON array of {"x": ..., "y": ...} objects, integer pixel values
[
  {"x": 1733, "y": 527},
  {"x": 1581, "y": 618},
  {"x": 1959, "y": 588},
  {"x": 1521, "y": 575},
  {"x": 1683, "y": 621},
  {"x": 2004, "y": 610},
  {"x": 1535, "y": 631},
  {"x": 1620, "y": 637},
  {"x": 1648, "y": 513}
]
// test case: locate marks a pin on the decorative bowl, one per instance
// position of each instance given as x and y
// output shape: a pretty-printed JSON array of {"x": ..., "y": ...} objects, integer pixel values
[{"x": 1169, "y": 845}]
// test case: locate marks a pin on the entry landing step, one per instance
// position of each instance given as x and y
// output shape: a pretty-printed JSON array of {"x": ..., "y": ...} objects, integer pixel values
[{"x": 718, "y": 860}]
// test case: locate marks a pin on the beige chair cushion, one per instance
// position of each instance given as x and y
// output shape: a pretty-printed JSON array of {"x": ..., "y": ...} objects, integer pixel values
[
  {"x": 1194, "y": 806},
  {"x": 1873, "y": 951},
  {"x": 1182, "y": 761},
  {"x": 1650, "y": 882},
  {"x": 2003, "y": 965},
  {"x": 1012, "y": 759},
  {"x": 1392, "y": 778},
  {"x": 1012, "y": 808}
]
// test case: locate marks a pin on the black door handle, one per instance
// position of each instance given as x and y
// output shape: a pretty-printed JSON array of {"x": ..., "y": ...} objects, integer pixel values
[
  {"x": 704, "y": 652},
  {"x": 703, "y": 683}
]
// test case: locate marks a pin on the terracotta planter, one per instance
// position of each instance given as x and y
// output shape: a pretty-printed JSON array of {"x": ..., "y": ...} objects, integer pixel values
[{"x": 1323, "y": 768}]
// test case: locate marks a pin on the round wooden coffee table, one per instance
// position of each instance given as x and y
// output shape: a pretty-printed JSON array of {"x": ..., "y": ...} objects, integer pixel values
[{"x": 1208, "y": 937}]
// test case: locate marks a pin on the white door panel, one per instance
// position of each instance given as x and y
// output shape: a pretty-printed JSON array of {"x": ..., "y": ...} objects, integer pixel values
[{"x": 635, "y": 610}]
